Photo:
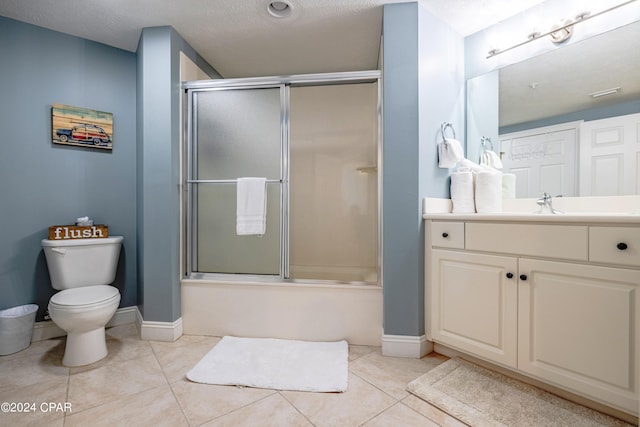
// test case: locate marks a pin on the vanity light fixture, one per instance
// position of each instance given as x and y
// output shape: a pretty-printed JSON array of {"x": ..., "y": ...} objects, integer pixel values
[
  {"x": 279, "y": 8},
  {"x": 605, "y": 92},
  {"x": 559, "y": 33}
]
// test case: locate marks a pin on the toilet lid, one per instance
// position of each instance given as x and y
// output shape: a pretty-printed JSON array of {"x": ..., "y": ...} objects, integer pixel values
[{"x": 84, "y": 296}]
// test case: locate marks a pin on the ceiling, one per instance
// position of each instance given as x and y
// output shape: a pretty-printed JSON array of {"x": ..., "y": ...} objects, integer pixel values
[{"x": 239, "y": 38}]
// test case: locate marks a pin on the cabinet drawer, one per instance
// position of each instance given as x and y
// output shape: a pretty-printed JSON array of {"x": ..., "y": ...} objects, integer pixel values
[
  {"x": 447, "y": 234},
  {"x": 615, "y": 245},
  {"x": 549, "y": 241}
]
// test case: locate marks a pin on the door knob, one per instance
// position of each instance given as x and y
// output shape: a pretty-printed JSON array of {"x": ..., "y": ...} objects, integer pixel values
[{"x": 523, "y": 277}]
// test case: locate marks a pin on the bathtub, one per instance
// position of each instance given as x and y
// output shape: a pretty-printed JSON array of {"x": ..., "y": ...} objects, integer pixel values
[{"x": 287, "y": 310}]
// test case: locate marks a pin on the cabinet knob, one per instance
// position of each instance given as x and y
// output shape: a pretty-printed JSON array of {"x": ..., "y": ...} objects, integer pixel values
[
  {"x": 622, "y": 246},
  {"x": 523, "y": 277},
  {"x": 445, "y": 235},
  {"x": 509, "y": 275}
]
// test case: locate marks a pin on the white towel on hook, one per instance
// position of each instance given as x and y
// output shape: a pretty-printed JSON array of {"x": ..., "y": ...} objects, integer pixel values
[
  {"x": 251, "y": 207},
  {"x": 450, "y": 152},
  {"x": 491, "y": 159}
]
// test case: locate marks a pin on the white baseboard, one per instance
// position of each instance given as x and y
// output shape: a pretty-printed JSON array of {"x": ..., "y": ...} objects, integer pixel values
[
  {"x": 124, "y": 316},
  {"x": 47, "y": 329},
  {"x": 159, "y": 331},
  {"x": 406, "y": 346}
]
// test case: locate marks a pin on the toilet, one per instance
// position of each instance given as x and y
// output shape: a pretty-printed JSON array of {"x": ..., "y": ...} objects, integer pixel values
[{"x": 82, "y": 269}]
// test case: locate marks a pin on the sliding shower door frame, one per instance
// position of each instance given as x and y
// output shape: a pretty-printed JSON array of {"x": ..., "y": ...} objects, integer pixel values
[{"x": 190, "y": 181}]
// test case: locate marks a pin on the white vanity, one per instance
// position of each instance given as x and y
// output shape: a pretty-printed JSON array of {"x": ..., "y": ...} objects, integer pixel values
[{"x": 553, "y": 297}]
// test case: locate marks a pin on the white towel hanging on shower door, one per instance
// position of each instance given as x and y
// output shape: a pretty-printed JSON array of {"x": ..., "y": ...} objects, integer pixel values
[{"x": 251, "y": 209}]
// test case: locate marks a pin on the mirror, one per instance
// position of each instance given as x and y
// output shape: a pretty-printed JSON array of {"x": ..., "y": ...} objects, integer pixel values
[{"x": 552, "y": 89}]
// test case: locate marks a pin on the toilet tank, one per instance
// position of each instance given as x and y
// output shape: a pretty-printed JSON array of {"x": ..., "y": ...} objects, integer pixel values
[{"x": 82, "y": 262}]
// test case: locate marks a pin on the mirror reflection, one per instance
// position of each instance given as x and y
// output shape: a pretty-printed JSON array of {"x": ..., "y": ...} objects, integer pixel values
[{"x": 566, "y": 122}]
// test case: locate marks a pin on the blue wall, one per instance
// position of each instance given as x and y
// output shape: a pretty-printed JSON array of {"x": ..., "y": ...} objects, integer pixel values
[
  {"x": 158, "y": 169},
  {"x": 401, "y": 214},
  {"x": 42, "y": 183},
  {"x": 423, "y": 80}
]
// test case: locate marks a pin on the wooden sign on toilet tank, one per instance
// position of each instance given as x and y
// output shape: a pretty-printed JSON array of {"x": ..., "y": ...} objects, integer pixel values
[{"x": 67, "y": 232}]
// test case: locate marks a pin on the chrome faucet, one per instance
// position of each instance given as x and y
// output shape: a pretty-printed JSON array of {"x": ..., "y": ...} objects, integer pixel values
[{"x": 545, "y": 201}]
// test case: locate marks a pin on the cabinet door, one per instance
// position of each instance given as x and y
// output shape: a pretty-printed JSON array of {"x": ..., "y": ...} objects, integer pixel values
[
  {"x": 474, "y": 304},
  {"x": 577, "y": 328}
]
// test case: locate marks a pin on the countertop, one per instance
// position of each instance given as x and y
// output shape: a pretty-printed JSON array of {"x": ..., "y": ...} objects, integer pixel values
[
  {"x": 608, "y": 218},
  {"x": 606, "y": 210}
]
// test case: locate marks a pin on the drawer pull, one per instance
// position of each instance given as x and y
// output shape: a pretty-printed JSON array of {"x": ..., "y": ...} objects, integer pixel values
[
  {"x": 445, "y": 235},
  {"x": 622, "y": 246},
  {"x": 523, "y": 277},
  {"x": 509, "y": 275}
]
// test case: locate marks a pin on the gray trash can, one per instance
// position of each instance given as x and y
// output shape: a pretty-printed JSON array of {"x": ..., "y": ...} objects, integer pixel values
[{"x": 16, "y": 328}]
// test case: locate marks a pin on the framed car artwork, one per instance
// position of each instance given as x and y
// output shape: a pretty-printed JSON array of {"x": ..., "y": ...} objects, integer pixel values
[{"x": 81, "y": 127}]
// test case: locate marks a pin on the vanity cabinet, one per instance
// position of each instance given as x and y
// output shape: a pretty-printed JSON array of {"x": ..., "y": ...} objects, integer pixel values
[
  {"x": 475, "y": 304},
  {"x": 557, "y": 302}
]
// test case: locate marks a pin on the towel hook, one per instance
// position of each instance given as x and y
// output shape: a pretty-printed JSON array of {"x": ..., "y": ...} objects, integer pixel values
[
  {"x": 443, "y": 128},
  {"x": 484, "y": 140}
]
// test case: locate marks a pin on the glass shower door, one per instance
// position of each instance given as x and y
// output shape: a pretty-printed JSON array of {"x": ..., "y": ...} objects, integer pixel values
[
  {"x": 236, "y": 133},
  {"x": 333, "y": 214}
]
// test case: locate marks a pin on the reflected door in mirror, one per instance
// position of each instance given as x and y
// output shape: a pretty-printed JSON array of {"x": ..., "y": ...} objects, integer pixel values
[
  {"x": 543, "y": 160},
  {"x": 610, "y": 156}
]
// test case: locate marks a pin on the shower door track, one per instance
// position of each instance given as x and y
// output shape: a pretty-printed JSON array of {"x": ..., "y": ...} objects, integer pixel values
[{"x": 284, "y": 83}]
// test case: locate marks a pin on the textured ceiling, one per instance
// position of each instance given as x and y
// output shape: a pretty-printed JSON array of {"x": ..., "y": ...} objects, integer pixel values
[{"x": 239, "y": 38}]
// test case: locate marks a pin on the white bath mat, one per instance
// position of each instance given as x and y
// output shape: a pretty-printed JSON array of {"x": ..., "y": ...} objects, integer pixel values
[{"x": 275, "y": 364}]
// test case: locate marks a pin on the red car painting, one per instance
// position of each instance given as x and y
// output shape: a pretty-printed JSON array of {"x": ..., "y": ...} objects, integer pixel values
[{"x": 84, "y": 133}]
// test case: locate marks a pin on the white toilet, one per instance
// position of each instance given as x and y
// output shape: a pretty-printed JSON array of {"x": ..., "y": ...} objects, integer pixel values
[{"x": 82, "y": 269}]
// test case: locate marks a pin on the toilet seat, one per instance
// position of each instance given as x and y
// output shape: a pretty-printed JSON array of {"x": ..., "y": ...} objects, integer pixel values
[{"x": 84, "y": 298}]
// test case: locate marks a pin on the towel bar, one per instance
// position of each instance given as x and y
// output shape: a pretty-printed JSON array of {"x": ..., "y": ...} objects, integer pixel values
[
  {"x": 225, "y": 181},
  {"x": 484, "y": 140},
  {"x": 443, "y": 128}
]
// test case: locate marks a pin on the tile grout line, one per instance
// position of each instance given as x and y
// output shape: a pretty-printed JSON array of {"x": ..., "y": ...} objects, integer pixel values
[
  {"x": 239, "y": 408},
  {"x": 111, "y": 363},
  {"x": 422, "y": 415},
  {"x": 173, "y": 393},
  {"x": 296, "y": 408},
  {"x": 66, "y": 397}
]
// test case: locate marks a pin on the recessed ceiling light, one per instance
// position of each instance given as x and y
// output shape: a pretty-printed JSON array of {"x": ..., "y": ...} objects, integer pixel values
[{"x": 279, "y": 9}]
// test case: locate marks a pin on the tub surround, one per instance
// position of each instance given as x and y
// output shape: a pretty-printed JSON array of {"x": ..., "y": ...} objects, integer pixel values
[
  {"x": 543, "y": 295},
  {"x": 303, "y": 311}
]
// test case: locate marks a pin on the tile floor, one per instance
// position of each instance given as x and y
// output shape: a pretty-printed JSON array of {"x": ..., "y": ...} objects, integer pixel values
[{"x": 142, "y": 383}]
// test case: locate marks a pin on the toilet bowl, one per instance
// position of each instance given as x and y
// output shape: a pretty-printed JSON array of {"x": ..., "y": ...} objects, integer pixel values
[
  {"x": 83, "y": 314},
  {"x": 82, "y": 269}
]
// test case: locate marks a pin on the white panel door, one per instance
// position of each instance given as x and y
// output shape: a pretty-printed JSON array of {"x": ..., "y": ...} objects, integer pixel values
[
  {"x": 576, "y": 328},
  {"x": 542, "y": 159},
  {"x": 610, "y": 156}
]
